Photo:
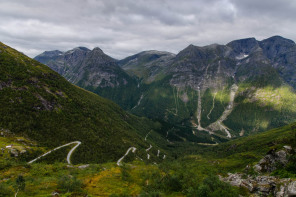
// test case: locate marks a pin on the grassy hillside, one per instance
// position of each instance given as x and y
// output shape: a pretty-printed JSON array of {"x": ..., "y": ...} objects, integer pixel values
[
  {"x": 192, "y": 174},
  {"x": 38, "y": 103}
]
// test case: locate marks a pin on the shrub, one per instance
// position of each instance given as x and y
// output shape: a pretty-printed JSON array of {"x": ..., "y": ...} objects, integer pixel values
[
  {"x": 213, "y": 187},
  {"x": 69, "y": 183},
  {"x": 5, "y": 190}
]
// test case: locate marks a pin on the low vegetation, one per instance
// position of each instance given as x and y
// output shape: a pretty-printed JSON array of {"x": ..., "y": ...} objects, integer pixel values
[{"x": 193, "y": 174}]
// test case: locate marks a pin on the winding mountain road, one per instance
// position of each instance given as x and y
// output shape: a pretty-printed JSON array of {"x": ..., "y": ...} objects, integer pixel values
[
  {"x": 149, "y": 148},
  {"x": 133, "y": 149},
  {"x": 68, "y": 156}
]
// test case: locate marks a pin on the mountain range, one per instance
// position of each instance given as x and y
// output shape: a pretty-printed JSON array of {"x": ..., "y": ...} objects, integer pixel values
[
  {"x": 59, "y": 139},
  {"x": 222, "y": 91}
]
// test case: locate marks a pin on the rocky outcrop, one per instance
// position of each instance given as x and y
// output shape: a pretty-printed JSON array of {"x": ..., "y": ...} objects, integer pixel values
[
  {"x": 265, "y": 185},
  {"x": 262, "y": 185},
  {"x": 15, "y": 152},
  {"x": 273, "y": 160}
]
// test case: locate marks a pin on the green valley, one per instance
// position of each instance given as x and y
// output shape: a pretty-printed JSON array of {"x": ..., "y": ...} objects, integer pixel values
[{"x": 203, "y": 129}]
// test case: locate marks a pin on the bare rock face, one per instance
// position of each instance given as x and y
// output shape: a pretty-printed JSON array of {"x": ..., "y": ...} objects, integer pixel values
[
  {"x": 147, "y": 65},
  {"x": 266, "y": 185},
  {"x": 262, "y": 185},
  {"x": 86, "y": 68},
  {"x": 291, "y": 190},
  {"x": 202, "y": 67},
  {"x": 270, "y": 162},
  {"x": 282, "y": 53}
]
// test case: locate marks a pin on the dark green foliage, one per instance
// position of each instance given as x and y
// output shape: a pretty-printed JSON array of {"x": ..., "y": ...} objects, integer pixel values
[
  {"x": 5, "y": 190},
  {"x": 150, "y": 194},
  {"x": 172, "y": 183},
  {"x": 69, "y": 183},
  {"x": 162, "y": 101},
  {"x": 291, "y": 166},
  {"x": 6, "y": 164},
  {"x": 20, "y": 184},
  {"x": 219, "y": 107},
  {"x": 125, "y": 174},
  {"x": 213, "y": 187},
  {"x": 288, "y": 171},
  {"x": 260, "y": 74},
  {"x": 126, "y": 96}
]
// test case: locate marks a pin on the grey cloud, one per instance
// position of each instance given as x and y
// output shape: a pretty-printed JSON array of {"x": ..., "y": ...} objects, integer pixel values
[{"x": 125, "y": 27}]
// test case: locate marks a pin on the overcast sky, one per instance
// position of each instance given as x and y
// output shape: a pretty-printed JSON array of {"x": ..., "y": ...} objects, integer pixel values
[{"x": 125, "y": 27}]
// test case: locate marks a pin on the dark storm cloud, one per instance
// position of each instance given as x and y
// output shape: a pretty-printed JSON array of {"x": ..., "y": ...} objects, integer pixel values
[{"x": 124, "y": 27}]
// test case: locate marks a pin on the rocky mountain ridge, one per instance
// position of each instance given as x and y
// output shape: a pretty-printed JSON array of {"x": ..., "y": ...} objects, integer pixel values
[{"x": 196, "y": 87}]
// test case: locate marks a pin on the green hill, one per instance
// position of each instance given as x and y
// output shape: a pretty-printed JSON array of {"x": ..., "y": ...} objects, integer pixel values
[
  {"x": 39, "y": 104},
  {"x": 192, "y": 174}
]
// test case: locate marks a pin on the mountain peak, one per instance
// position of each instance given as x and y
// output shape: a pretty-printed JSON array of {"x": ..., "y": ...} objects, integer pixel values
[
  {"x": 277, "y": 38},
  {"x": 77, "y": 50},
  {"x": 155, "y": 52},
  {"x": 81, "y": 48},
  {"x": 51, "y": 53},
  {"x": 98, "y": 50},
  {"x": 276, "y": 45},
  {"x": 244, "y": 46}
]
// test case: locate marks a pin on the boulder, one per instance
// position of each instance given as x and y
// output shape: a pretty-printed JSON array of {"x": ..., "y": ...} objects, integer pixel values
[
  {"x": 14, "y": 152},
  {"x": 291, "y": 190},
  {"x": 265, "y": 184},
  {"x": 281, "y": 192},
  {"x": 273, "y": 159},
  {"x": 288, "y": 148},
  {"x": 262, "y": 185}
]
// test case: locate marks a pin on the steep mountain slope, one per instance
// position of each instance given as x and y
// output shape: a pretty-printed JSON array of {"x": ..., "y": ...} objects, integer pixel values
[
  {"x": 227, "y": 91},
  {"x": 38, "y": 103},
  {"x": 95, "y": 71},
  {"x": 282, "y": 54},
  {"x": 147, "y": 65}
]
